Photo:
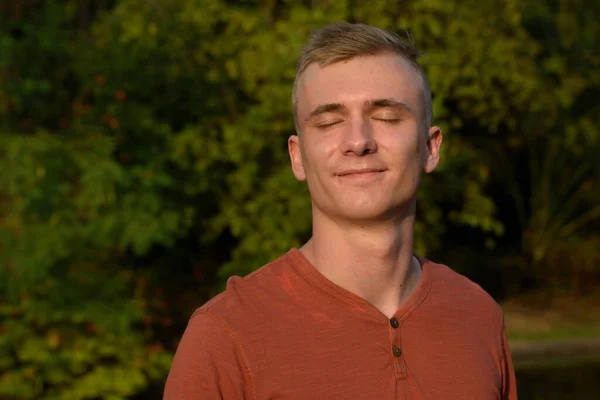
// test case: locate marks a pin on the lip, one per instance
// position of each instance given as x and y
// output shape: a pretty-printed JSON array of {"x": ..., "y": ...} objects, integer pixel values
[{"x": 359, "y": 172}]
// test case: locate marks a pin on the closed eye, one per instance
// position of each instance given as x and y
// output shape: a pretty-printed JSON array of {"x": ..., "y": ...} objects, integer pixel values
[
  {"x": 328, "y": 125},
  {"x": 388, "y": 120}
]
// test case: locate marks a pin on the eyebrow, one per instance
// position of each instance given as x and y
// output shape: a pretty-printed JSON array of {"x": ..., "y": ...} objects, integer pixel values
[
  {"x": 325, "y": 108},
  {"x": 370, "y": 104},
  {"x": 389, "y": 103}
]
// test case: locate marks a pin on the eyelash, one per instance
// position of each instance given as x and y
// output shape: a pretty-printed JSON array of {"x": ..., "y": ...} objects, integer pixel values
[
  {"x": 390, "y": 121},
  {"x": 325, "y": 126}
]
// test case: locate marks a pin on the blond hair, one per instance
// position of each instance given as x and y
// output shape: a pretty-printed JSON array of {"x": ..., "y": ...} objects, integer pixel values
[{"x": 343, "y": 41}]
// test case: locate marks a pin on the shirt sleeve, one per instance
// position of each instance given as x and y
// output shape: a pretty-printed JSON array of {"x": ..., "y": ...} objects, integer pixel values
[
  {"x": 208, "y": 363},
  {"x": 509, "y": 381}
]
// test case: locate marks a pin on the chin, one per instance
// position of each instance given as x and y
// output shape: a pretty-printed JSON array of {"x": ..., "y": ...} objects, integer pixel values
[
  {"x": 364, "y": 212},
  {"x": 375, "y": 209}
]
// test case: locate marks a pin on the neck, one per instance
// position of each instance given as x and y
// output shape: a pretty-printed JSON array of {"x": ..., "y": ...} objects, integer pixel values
[{"x": 374, "y": 261}]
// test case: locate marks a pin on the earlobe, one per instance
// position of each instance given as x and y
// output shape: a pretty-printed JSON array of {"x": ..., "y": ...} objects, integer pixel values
[{"x": 295, "y": 152}]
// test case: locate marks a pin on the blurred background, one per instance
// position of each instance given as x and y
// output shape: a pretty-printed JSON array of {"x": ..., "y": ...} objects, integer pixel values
[{"x": 143, "y": 161}]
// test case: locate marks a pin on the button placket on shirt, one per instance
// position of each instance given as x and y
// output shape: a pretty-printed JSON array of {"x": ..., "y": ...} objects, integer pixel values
[{"x": 396, "y": 349}]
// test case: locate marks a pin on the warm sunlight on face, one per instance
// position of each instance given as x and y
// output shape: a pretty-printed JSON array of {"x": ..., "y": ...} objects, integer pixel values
[{"x": 362, "y": 147}]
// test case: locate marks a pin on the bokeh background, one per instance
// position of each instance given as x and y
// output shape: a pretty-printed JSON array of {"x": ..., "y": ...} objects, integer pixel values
[{"x": 143, "y": 161}]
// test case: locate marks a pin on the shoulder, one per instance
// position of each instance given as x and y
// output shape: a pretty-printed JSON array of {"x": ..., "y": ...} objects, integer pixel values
[
  {"x": 223, "y": 335},
  {"x": 246, "y": 299},
  {"x": 210, "y": 362},
  {"x": 461, "y": 293}
]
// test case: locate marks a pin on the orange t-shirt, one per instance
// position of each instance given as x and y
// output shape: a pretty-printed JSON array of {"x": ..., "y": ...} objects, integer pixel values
[{"x": 287, "y": 332}]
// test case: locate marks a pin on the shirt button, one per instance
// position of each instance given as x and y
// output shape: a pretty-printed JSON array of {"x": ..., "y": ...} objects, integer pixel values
[
  {"x": 397, "y": 351},
  {"x": 394, "y": 323}
]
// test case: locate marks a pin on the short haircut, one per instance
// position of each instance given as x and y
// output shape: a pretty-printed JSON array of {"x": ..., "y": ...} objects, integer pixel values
[{"x": 343, "y": 41}]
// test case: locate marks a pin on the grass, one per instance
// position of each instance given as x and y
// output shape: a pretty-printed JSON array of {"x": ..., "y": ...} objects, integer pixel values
[
  {"x": 555, "y": 370},
  {"x": 545, "y": 317},
  {"x": 520, "y": 328},
  {"x": 559, "y": 363}
]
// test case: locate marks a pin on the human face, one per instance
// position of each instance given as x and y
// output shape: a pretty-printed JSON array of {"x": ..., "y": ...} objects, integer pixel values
[{"x": 362, "y": 144}]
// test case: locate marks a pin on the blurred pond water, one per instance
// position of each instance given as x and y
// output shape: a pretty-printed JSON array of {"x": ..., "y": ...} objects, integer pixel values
[{"x": 563, "y": 379}]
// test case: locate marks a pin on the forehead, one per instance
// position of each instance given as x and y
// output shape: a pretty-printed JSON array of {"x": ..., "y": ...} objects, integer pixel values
[{"x": 358, "y": 80}]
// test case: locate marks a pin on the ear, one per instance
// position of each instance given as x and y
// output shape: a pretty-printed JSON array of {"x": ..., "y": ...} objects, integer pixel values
[
  {"x": 295, "y": 151},
  {"x": 432, "y": 149}
]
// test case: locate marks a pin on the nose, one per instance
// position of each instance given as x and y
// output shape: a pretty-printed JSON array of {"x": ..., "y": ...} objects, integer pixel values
[{"x": 358, "y": 139}]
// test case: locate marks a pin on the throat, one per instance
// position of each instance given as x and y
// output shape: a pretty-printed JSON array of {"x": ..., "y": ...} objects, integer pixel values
[
  {"x": 392, "y": 297},
  {"x": 385, "y": 278}
]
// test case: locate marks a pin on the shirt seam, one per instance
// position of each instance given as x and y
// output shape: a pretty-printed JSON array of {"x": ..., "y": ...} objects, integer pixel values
[
  {"x": 237, "y": 344},
  {"x": 259, "y": 271},
  {"x": 503, "y": 364},
  {"x": 419, "y": 300},
  {"x": 210, "y": 303}
]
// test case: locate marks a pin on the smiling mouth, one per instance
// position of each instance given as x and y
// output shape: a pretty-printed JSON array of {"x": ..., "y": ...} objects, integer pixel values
[{"x": 360, "y": 173}]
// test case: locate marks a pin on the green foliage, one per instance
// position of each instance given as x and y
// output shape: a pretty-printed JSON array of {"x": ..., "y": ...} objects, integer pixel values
[
  {"x": 148, "y": 139},
  {"x": 72, "y": 338},
  {"x": 558, "y": 211}
]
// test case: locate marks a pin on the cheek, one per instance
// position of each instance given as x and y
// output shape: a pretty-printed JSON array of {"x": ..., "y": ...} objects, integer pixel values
[
  {"x": 406, "y": 143},
  {"x": 318, "y": 156},
  {"x": 407, "y": 157}
]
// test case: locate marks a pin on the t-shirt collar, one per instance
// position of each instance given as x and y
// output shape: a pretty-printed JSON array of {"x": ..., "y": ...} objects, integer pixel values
[{"x": 317, "y": 279}]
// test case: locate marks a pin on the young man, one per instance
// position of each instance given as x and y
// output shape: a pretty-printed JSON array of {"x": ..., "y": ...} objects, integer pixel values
[{"x": 353, "y": 314}]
